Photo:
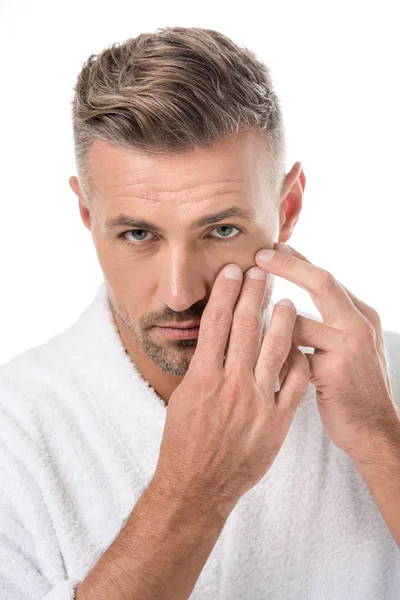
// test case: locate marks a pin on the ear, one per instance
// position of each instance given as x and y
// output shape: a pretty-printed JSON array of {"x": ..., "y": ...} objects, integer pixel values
[
  {"x": 83, "y": 209},
  {"x": 291, "y": 201}
]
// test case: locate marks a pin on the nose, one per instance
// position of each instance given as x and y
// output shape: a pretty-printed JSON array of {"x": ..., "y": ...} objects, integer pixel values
[{"x": 182, "y": 281}]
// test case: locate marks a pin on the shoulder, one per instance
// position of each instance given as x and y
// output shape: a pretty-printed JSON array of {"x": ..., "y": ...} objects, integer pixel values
[{"x": 31, "y": 385}]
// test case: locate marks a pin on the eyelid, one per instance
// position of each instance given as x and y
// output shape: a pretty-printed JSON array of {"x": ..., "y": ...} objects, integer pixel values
[
  {"x": 240, "y": 230},
  {"x": 226, "y": 225}
]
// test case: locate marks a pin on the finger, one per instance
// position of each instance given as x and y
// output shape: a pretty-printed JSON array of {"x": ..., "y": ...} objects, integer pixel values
[
  {"x": 276, "y": 346},
  {"x": 328, "y": 295},
  {"x": 296, "y": 382},
  {"x": 263, "y": 330},
  {"x": 216, "y": 321},
  {"x": 284, "y": 371},
  {"x": 247, "y": 323},
  {"x": 310, "y": 333},
  {"x": 361, "y": 306},
  {"x": 285, "y": 368}
]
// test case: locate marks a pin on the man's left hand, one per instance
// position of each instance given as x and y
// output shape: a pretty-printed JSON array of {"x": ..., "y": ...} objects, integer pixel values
[{"x": 349, "y": 367}]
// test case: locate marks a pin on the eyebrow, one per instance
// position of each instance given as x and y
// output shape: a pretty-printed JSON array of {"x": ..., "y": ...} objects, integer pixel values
[{"x": 126, "y": 221}]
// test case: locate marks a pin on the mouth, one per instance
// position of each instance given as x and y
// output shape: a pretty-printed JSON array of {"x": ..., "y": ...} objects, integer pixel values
[
  {"x": 180, "y": 333},
  {"x": 188, "y": 325}
]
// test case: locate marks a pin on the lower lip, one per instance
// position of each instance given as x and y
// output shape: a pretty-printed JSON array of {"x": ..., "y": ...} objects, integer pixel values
[{"x": 181, "y": 334}]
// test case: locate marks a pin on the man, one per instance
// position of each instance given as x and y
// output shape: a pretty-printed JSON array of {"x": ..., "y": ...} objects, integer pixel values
[{"x": 179, "y": 138}]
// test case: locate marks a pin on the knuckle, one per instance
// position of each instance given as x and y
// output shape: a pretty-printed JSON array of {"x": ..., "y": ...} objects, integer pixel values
[
  {"x": 230, "y": 288},
  {"x": 375, "y": 314},
  {"x": 248, "y": 321},
  {"x": 277, "y": 344},
  {"x": 220, "y": 316},
  {"x": 288, "y": 262},
  {"x": 200, "y": 375},
  {"x": 374, "y": 317},
  {"x": 277, "y": 351},
  {"x": 252, "y": 290},
  {"x": 328, "y": 281},
  {"x": 358, "y": 342},
  {"x": 204, "y": 378}
]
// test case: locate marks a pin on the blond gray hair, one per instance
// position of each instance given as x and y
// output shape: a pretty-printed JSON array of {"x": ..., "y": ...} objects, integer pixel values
[{"x": 173, "y": 91}]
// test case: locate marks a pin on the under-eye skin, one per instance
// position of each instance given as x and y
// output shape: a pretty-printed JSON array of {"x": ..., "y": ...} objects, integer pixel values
[{"x": 141, "y": 243}]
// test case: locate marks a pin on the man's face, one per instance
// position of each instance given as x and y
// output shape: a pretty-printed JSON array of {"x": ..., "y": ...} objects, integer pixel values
[{"x": 164, "y": 273}]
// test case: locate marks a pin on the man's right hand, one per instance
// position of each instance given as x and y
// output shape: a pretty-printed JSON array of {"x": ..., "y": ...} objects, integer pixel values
[{"x": 225, "y": 423}]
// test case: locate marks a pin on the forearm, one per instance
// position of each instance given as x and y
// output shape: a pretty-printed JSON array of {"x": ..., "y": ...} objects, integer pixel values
[
  {"x": 380, "y": 469},
  {"x": 159, "y": 554}
]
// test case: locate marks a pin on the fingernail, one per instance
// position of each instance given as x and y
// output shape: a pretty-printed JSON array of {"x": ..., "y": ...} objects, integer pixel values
[
  {"x": 256, "y": 273},
  {"x": 286, "y": 302},
  {"x": 265, "y": 255},
  {"x": 233, "y": 272}
]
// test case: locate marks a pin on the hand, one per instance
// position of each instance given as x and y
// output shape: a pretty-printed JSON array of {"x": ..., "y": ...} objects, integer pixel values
[
  {"x": 349, "y": 367},
  {"x": 225, "y": 423}
]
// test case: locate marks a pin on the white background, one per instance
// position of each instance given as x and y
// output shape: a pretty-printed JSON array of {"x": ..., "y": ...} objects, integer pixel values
[{"x": 336, "y": 70}]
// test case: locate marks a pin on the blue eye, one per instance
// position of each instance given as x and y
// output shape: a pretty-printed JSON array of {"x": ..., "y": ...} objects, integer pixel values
[
  {"x": 141, "y": 231},
  {"x": 229, "y": 227},
  {"x": 144, "y": 231}
]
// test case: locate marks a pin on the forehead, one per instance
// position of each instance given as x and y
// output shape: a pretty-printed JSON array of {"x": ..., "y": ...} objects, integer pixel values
[{"x": 234, "y": 163}]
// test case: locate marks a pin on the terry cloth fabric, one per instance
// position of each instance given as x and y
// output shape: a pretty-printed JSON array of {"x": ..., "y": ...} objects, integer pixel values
[{"x": 79, "y": 442}]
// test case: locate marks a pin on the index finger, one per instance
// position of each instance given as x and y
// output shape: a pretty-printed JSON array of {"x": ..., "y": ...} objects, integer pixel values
[{"x": 328, "y": 295}]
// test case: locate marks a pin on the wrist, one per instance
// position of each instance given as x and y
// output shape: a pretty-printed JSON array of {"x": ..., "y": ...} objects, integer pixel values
[
  {"x": 380, "y": 447},
  {"x": 184, "y": 505}
]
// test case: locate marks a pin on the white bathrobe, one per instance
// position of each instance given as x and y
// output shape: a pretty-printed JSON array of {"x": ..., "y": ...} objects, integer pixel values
[{"x": 80, "y": 431}]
